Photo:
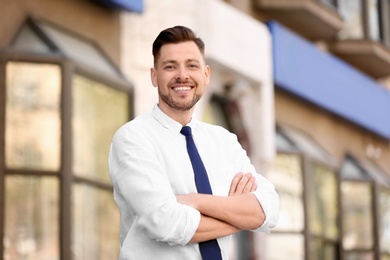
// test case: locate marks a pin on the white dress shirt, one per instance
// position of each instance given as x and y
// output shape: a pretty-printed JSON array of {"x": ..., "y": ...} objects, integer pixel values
[{"x": 149, "y": 165}]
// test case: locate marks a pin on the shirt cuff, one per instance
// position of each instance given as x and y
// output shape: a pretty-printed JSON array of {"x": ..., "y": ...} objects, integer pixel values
[
  {"x": 265, "y": 203},
  {"x": 192, "y": 223}
]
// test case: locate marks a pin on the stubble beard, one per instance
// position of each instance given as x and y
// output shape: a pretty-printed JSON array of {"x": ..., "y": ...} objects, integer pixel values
[{"x": 178, "y": 105}]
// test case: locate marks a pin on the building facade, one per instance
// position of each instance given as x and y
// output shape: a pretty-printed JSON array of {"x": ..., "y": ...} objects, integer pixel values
[{"x": 303, "y": 83}]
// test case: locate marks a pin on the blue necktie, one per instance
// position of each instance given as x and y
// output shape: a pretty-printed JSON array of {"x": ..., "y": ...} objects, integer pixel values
[{"x": 209, "y": 249}]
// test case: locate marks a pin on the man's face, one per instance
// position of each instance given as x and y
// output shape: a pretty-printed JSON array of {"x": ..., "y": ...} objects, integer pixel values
[{"x": 180, "y": 76}]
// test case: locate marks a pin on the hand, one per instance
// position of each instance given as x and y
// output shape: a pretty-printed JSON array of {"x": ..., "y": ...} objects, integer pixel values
[{"x": 242, "y": 183}]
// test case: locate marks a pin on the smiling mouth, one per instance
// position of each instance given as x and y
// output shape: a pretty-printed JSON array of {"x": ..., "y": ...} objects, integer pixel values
[{"x": 182, "y": 88}]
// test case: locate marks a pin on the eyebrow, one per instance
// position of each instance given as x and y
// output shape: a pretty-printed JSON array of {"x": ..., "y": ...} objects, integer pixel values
[{"x": 175, "y": 62}]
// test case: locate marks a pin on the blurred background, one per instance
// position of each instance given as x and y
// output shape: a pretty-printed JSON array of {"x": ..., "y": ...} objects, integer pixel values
[{"x": 304, "y": 84}]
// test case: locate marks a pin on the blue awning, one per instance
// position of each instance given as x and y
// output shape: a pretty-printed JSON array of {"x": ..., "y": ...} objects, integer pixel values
[
  {"x": 127, "y": 5},
  {"x": 329, "y": 82}
]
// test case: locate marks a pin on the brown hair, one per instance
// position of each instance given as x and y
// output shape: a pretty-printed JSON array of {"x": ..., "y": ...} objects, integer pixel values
[{"x": 175, "y": 34}]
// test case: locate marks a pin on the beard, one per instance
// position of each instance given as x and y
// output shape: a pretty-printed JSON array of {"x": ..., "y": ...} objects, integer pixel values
[{"x": 167, "y": 98}]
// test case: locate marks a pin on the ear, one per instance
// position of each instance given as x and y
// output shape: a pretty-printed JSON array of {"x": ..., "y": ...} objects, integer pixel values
[
  {"x": 153, "y": 76},
  {"x": 207, "y": 72}
]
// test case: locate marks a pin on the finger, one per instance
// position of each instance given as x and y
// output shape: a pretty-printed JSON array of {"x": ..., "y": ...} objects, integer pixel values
[
  {"x": 243, "y": 183},
  {"x": 235, "y": 181},
  {"x": 248, "y": 187},
  {"x": 254, "y": 187}
]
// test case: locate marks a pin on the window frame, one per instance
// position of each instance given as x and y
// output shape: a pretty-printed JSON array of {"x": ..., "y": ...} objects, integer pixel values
[
  {"x": 375, "y": 185},
  {"x": 65, "y": 175},
  {"x": 308, "y": 162},
  {"x": 383, "y": 12}
]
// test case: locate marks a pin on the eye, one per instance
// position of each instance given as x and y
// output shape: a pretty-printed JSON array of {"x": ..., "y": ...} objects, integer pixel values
[
  {"x": 169, "y": 67},
  {"x": 193, "y": 66}
]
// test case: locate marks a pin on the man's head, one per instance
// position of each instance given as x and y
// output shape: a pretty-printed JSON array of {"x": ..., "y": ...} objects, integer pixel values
[
  {"x": 179, "y": 72},
  {"x": 176, "y": 34}
]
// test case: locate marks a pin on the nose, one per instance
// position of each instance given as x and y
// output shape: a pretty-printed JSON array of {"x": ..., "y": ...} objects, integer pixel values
[{"x": 182, "y": 74}]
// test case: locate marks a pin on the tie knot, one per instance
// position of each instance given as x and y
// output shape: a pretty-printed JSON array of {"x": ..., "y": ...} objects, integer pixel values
[{"x": 186, "y": 130}]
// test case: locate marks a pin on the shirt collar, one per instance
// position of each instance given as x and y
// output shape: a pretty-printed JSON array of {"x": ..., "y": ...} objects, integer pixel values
[{"x": 168, "y": 122}]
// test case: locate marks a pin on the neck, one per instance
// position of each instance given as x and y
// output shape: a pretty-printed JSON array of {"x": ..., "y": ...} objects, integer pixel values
[{"x": 182, "y": 117}]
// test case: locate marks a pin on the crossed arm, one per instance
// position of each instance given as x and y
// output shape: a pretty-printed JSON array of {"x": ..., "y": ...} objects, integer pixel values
[{"x": 226, "y": 215}]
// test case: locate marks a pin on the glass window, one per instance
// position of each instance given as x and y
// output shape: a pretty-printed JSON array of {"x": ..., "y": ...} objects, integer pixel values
[
  {"x": 357, "y": 220},
  {"x": 214, "y": 112},
  {"x": 373, "y": 20},
  {"x": 323, "y": 203},
  {"x": 31, "y": 218},
  {"x": 33, "y": 130},
  {"x": 307, "y": 145},
  {"x": 284, "y": 246},
  {"x": 286, "y": 175},
  {"x": 95, "y": 224},
  {"x": 352, "y": 171},
  {"x": 283, "y": 143},
  {"x": 322, "y": 250},
  {"x": 384, "y": 230},
  {"x": 33, "y": 138},
  {"x": 352, "y": 13},
  {"x": 226, "y": 112},
  {"x": 359, "y": 256},
  {"x": 385, "y": 21},
  {"x": 330, "y": 3},
  {"x": 98, "y": 111},
  {"x": 29, "y": 40}
]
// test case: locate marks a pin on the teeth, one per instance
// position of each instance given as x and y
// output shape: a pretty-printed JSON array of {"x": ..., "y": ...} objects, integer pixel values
[{"x": 182, "y": 88}]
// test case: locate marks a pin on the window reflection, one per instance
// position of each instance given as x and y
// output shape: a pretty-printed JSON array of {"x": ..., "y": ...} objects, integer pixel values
[
  {"x": 286, "y": 175},
  {"x": 373, "y": 20},
  {"x": 351, "y": 11},
  {"x": 384, "y": 230},
  {"x": 322, "y": 206},
  {"x": 322, "y": 250},
  {"x": 359, "y": 256},
  {"x": 284, "y": 246},
  {"x": 95, "y": 224},
  {"x": 32, "y": 138},
  {"x": 31, "y": 218},
  {"x": 98, "y": 111},
  {"x": 331, "y": 3},
  {"x": 357, "y": 217}
]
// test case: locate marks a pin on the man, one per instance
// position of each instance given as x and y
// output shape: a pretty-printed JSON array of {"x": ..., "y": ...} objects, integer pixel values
[{"x": 163, "y": 216}]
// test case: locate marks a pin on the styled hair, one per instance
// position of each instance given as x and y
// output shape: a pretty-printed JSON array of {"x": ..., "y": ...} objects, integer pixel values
[{"x": 175, "y": 34}]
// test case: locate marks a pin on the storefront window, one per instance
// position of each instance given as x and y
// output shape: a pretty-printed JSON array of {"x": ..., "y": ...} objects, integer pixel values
[
  {"x": 359, "y": 256},
  {"x": 98, "y": 111},
  {"x": 61, "y": 112},
  {"x": 323, "y": 213},
  {"x": 304, "y": 176},
  {"x": 357, "y": 215},
  {"x": 365, "y": 199},
  {"x": 95, "y": 220},
  {"x": 31, "y": 218},
  {"x": 321, "y": 249},
  {"x": 384, "y": 230},
  {"x": 323, "y": 204},
  {"x": 286, "y": 175},
  {"x": 32, "y": 139},
  {"x": 281, "y": 246}
]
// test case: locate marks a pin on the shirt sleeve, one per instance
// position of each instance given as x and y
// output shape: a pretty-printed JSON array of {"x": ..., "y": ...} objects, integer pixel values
[
  {"x": 265, "y": 192},
  {"x": 144, "y": 192}
]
